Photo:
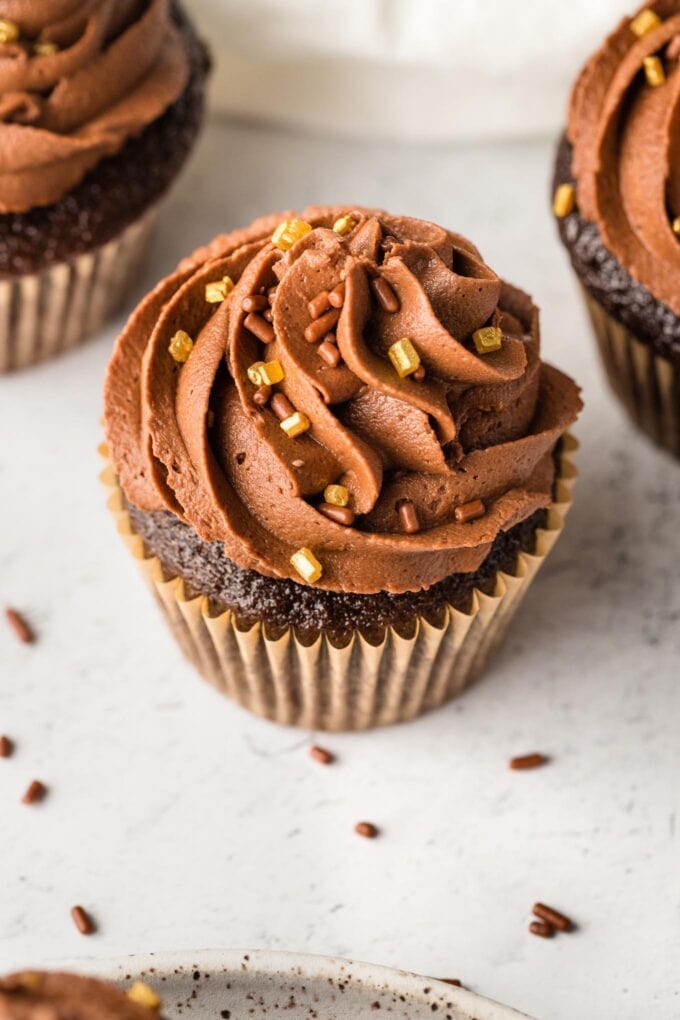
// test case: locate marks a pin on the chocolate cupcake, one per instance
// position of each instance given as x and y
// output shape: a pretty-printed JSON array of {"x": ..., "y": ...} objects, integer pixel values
[
  {"x": 339, "y": 458},
  {"x": 35, "y": 995},
  {"x": 100, "y": 104},
  {"x": 617, "y": 200}
]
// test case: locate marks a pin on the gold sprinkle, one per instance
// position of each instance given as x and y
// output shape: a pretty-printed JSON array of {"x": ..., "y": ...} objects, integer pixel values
[
  {"x": 654, "y": 71},
  {"x": 676, "y": 225},
  {"x": 404, "y": 357},
  {"x": 144, "y": 996},
  {"x": 266, "y": 373},
  {"x": 45, "y": 49},
  {"x": 289, "y": 233},
  {"x": 644, "y": 22},
  {"x": 217, "y": 291},
  {"x": 488, "y": 339},
  {"x": 181, "y": 346},
  {"x": 344, "y": 225},
  {"x": 337, "y": 495},
  {"x": 564, "y": 200},
  {"x": 307, "y": 565},
  {"x": 9, "y": 31},
  {"x": 296, "y": 424}
]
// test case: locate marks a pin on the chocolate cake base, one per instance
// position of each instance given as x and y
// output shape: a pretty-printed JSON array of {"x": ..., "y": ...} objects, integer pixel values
[
  {"x": 607, "y": 281},
  {"x": 281, "y": 603},
  {"x": 118, "y": 190}
]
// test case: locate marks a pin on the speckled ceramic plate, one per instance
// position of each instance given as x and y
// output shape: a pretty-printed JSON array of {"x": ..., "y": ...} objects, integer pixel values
[{"x": 235, "y": 985}]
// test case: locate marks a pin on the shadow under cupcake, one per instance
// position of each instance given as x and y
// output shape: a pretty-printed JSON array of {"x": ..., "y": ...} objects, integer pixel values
[{"x": 340, "y": 461}]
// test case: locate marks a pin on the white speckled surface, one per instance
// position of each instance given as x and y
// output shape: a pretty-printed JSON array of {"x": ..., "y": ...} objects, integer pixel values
[{"x": 181, "y": 822}]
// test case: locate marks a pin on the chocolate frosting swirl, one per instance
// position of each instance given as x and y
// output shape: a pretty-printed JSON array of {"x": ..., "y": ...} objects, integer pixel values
[
  {"x": 626, "y": 143},
  {"x": 39, "y": 995},
  {"x": 190, "y": 439},
  {"x": 118, "y": 66}
]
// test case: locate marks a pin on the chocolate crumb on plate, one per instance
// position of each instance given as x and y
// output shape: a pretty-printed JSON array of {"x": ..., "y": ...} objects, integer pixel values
[
  {"x": 529, "y": 761},
  {"x": 6, "y": 747},
  {"x": 20, "y": 627}
]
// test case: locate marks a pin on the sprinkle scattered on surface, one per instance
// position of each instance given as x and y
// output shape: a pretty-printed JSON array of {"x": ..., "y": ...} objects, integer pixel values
[
  {"x": 20, "y": 626},
  {"x": 529, "y": 761},
  {"x": 36, "y": 792},
  {"x": 83, "y": 921}
]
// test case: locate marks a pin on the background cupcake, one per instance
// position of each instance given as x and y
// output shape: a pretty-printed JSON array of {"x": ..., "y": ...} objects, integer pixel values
[
  {"x": 34, "y": 995},
  {"x": 99, "y": 107},
  {"x": 617, "y": 200},
  {"x": 336, "y": 431}
]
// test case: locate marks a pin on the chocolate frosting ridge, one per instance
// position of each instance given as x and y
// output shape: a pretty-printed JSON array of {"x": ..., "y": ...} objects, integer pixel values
[
  {"x": 118, "y": 66},
  {"x": 626, "y": 142},
  {"x": 40, "y": 995},
  {"x": 193, "y": 441}
]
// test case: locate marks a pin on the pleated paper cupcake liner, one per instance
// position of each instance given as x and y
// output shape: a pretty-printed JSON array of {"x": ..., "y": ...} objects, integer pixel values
[
  {"x": 43, "y": 314},
  {"x": 647, "y": 384},
  {"x": 361, "y": 685}
]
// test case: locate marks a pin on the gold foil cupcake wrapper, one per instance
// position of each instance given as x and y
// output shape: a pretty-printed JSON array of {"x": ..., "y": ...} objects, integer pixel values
[
  {"x": 647, "y": 384},
  {"x": 362, "y": 685},
  {"x": 46, "y": 313}
]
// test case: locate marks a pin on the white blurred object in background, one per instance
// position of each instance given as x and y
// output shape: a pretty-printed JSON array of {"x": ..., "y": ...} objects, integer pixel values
[{"x": 424, "y": 70}]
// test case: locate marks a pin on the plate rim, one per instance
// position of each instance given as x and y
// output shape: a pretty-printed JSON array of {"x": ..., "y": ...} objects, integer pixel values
[{"x": 271, "y": 963}]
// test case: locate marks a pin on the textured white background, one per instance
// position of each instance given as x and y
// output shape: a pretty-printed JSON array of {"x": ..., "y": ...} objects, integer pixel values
[
  {"x": 419, "y": 69},
  {"x": 182, "y": 822}
]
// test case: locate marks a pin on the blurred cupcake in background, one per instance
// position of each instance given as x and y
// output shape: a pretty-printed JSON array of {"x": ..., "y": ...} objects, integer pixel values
[
  {"x": 100, "y": 104},
  {"x": 617, "y": 202},
  {"x": 38, "y": 995},
  {"x": 340, "y": 461}
]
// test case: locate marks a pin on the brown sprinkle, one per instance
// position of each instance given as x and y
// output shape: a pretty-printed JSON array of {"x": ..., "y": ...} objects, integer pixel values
[
  {"x": 35, "y": 792},
  {"x": 529, "y": 761},
  {"x": 82, "y": 921},
  {"x": 542, "y": 928},
  {"x": 337, "y": 296},
  {"x": 552, "y": 917},
  {"x": 321, "y": 326},
  {"x": 387, "y": 299},
  {"x": 339, "y": 514},
  {"x": 319, "y": 304},
  {"x": 262, "y": 394},
  {"x": 268, "y": 315},
  {"x": 321, "y": 755},
  {"x": 451, "y": 981},
  {"x": 6, "y": 747},
  {"x": 254, "y": 303},
  {"x": 259, "y": 327},
  {"x": 469, "y": 511},
  {"x": 366, "y": 829},
  {"x": 281, "y": 406},
  {"x": 329, "y": 352},
  {"x": 408, "y": 515},
  {"x": 20, "y": 627},
  {"x": 419, "y": 373}
]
